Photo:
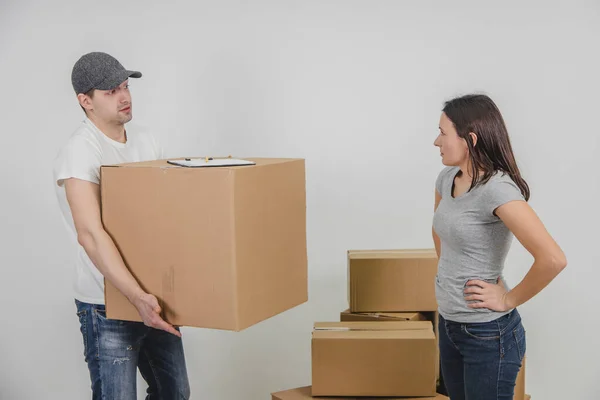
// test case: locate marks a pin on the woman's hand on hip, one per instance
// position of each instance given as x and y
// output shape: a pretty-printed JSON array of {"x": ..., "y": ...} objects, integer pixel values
[{"x": 481, "y": 294}]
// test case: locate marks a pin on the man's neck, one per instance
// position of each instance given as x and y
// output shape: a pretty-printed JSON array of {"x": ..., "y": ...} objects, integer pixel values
[{"x": 114, "y": 131}]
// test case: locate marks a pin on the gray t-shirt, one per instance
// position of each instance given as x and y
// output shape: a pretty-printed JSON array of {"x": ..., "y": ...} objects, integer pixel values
[{"x": 474, "y": 242}]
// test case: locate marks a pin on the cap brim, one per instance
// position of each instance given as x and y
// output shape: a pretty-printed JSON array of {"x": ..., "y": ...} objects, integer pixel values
[
  {"x": 135, "y": 74},
  {"x": 117, "y": 79}
]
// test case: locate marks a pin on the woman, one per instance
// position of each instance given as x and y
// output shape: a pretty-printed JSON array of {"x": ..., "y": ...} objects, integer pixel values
[{"x": 480, "y": 203}]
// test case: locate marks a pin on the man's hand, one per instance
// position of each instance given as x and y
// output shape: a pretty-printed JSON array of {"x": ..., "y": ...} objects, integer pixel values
[
  {"x": 487, "y": 295},
  {"x": 149, "y": 309}
]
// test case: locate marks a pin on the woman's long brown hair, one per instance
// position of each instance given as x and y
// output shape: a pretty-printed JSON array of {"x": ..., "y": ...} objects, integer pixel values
[{"x": 493, "y": 152}]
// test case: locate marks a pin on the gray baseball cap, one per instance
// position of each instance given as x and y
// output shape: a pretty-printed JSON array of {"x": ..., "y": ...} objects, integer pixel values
[{"x": 100, "y": 71}]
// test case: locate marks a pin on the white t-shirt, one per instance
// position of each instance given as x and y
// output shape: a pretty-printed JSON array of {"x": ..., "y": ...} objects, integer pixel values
[{"x": 81, "y": 157}]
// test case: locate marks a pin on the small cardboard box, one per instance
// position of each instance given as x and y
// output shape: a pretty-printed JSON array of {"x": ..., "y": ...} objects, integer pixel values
[
  {"x": 220, "y": 247},
  {"x": 374, "y": 359},
  {"x": 305, "y": 393},
  {"x": 392, "y": 280},
  {"x": 406, "y": 316}
]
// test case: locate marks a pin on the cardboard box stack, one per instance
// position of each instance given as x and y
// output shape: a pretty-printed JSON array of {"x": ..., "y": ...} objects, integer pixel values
[
  {"x": 393, "y": 282},
  {"x": 390, "y": 288},
  {"x": 220, "y": 248},
  {"x": 386, "y": 343}
]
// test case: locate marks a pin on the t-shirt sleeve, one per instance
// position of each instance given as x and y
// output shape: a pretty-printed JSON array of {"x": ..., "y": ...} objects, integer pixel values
[
  {"x": 79, "y": 159},
  {"x": 501, "y": 191}
]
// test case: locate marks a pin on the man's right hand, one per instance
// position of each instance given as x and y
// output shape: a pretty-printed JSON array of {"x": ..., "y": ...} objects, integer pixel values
[{"x": 149, "y": 309}]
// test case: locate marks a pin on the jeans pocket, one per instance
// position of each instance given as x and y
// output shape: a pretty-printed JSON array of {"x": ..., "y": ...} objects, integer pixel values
[
  {"x": 482, "y": 331},
  {"x": 520, "y": 339},
  {"x": 100, "y": 312},
  {"x": 104, "y": 323}
]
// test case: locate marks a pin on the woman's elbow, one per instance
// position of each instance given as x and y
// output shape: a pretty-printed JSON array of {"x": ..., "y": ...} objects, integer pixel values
[
  {"x": 558, "y": 261},
  {"x": 552, "y": 261}
]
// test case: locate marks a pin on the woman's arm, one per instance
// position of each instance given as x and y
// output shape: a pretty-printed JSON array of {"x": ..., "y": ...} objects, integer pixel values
[{"x": 549, "y": 260}]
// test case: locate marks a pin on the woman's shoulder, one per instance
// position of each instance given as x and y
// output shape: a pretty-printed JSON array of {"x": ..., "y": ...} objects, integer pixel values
[
  {"x": 448, "y": 172},
  {"x": 499, "y": 178},
  {"x": 443, "y": 176},
  {"x": 501, "y": 185}
]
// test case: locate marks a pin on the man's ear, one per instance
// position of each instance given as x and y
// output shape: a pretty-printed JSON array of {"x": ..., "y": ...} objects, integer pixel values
[
  {"x": 473, "y": 138},
  {"x": 85, "y": 101}
]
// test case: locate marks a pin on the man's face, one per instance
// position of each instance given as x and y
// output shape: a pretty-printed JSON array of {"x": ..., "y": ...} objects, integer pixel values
[{"x": 110, "y": 106}]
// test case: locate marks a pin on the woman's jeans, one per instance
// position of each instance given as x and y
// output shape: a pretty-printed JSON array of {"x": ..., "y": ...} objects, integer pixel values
[{"x": 480, "y": 361}]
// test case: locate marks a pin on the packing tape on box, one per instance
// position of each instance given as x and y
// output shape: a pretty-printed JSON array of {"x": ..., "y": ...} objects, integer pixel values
[{"x": 338, "y": 328}]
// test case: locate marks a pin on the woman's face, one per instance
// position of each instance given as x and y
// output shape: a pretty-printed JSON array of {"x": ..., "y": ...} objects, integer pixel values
[{"x": 453, "y": 148}]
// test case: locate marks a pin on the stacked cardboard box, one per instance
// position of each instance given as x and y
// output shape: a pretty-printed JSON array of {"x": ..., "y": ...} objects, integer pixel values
[
  {"x": 386, "y": 343},
  {"x": 392, "y": 280},
  {"x": 431, "y": 316},
  {"x": 373, "y": 359}
]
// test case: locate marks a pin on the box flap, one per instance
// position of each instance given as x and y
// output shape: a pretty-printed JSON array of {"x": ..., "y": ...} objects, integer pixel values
[
  {"x": 373, "y": 326},
  {"x": 398, "y": 315},
  {"x": 374, "y": 330},
  {"x": 350, "y": 334},
  {"x": 163, "y": 163},
  {"x": 400, "y": 253}
]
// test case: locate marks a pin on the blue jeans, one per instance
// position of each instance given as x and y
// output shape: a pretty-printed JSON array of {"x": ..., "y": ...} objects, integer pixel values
[
  {"x": 480, "y": 361},
  {"x": 114, "y": 350}
]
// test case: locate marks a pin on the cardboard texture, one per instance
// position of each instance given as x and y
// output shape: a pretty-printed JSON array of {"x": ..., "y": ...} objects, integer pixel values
[
  {"x": 374, "y": 359},
  {"x": 305, "y": 393},
  {"x": 220, "y": 248},
  {"x": 392, "y": 280}
]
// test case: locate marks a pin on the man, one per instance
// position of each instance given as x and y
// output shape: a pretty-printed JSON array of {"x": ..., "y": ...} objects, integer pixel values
[{"x": 113, "y": 349}]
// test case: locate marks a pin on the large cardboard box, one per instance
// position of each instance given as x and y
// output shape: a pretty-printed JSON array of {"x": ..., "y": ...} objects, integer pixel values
[
  {"x": 304, "y": 393},
  {"x": 392, "y": 280},
  {"x": 374, "y": 359},
  {"x": 220, "y": 247}
]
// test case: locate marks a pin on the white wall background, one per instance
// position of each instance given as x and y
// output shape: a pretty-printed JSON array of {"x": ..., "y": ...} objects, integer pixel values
[{"x": 356, "y": 88}]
